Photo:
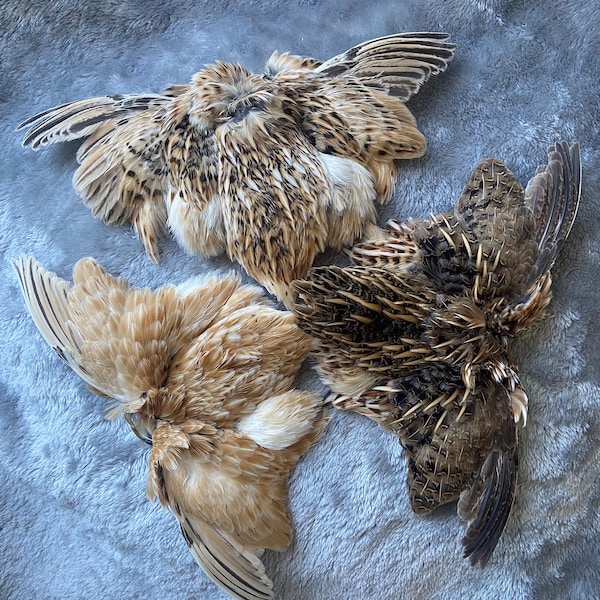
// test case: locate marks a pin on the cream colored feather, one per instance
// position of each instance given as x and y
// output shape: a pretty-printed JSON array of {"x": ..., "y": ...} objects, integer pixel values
[{"x": 202, "y": 372}]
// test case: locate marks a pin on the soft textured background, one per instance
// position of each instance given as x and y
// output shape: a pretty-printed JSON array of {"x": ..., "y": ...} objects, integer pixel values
[{"x": 74, "y": 519}]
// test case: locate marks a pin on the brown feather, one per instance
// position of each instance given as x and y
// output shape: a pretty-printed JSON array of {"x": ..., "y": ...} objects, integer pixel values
[
  {"x": 416, "y": 335},
  {"x": 271, "y": 168},
  {"x": 203, "y": 372}
]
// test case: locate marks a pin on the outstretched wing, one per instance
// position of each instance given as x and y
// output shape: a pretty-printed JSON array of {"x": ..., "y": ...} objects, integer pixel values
[
  {"x": 118, "y": 339},
  {"x": 345, "y": 117},
  {"x": 499, "y": 241},
  {"x": 399, "y": 63},
  {"x": 122, "y": 173},
  {"x": 352, "y": 106},
  {"x": 82, "y": 329},
  {"x": 553, "y": 196},
  {"x": 458, "y": 444},
  {"x": 76, "y": 120},
  {"x": 525, "y": 228},
  {"x": 230, "y": 504},
  {"x": 251, "y": 478},
  {"x": 226, "y": 540}
]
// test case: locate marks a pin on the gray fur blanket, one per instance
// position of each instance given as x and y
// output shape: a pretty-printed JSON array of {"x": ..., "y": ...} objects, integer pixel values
[{"x": 75, "y": 522}]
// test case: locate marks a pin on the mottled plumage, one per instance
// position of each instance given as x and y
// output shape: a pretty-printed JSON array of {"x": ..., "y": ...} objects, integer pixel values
[
  {"x": 416, "y": 334},
  {"x": 270, "y": 168},
  {"x": 202, "y": 372}
]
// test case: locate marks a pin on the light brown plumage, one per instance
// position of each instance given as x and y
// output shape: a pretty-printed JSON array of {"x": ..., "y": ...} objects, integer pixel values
[
  {"x": 269, "y": 167},
  {"x": 202, "y": 372},
  {"x": 416, "y": 335}
]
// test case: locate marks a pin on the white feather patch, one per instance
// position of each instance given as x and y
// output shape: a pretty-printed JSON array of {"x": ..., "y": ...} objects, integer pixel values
[{"x": 280, "y": 421}]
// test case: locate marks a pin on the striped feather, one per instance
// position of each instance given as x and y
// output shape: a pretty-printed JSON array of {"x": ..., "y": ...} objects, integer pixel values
[
  {"x": 76, "y": 120},
  {"x": 401, "y": 63}
]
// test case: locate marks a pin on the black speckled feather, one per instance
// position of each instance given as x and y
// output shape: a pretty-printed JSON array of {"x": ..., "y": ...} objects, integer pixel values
[{"x": 415, "y": 336}]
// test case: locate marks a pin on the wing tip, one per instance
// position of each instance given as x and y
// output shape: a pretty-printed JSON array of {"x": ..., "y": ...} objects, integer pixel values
[
  {"x": 489, "y": 515},
  {"x": 22, "y": 264},
  {"x": 569, "y": 157},
  {"x": 237, "y": 570},
  {"x": 30, "y": 121}
]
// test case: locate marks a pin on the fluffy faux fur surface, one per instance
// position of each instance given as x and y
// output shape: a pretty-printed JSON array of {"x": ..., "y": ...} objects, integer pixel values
[{"x": 74, "y": 519}]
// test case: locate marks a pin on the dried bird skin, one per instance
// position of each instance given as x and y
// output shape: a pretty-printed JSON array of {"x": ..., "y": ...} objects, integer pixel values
[
  {"x": 202, "y": 372},
  {"x": 270, "y": 168},
  {"x": 415, "y": 335}
]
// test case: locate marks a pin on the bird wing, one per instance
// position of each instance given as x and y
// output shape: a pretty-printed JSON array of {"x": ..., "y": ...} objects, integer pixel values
[
  {"x": 458, "y": 445},
  {"x": 400, "y": 63},
  {"x": 487, "y": 503},
  {"x": 515, "y": 233},
  {"x": 118, "y": 339},
  {"x": 352, "y": 106},
  {"x": 231, "y": 502},
  {"x": 499, "y": 241},
  {"x": 82, "y": 330},
  {"x": 553, "y": 196},
  {"x": 226, "y": 562},
  {"x": 122, "y": 172},
  {"x": 122, "y": 177},
  {"x": 76, "y": 120}
]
